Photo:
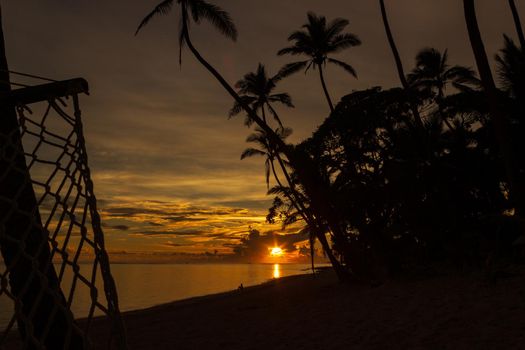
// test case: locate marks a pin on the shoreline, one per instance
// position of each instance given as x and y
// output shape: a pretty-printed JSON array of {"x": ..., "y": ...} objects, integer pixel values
[
  {"x": 306, "y": 312},
  {"x": 449, "y": 310}
]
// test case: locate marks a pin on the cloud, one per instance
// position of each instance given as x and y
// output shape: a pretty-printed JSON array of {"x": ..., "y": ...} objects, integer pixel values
[
  {"x": 118, "y": 227},
  {"x": 255, "y": 245},
  {"x": 173, "y": 233},
  {"x": 171, "y": 244},
  {"x": 184, "y": 219}
]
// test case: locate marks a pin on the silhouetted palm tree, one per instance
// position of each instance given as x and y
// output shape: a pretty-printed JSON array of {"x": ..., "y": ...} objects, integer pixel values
[
  {"x": 256, "y": 91},
  {"x": 399, "y": 63},
  {"x": 291, "y": 192},
  {"x": 511, "y": 68},
  {"x": 499, "y": 119},
  {"x": 433, "y": 73},
  {"x": 517, "y": 22},
  {"x": 318, "y": 40},
  {"x": 265, "y": 149},
  {"x": 302, "y": 164},
  {"x": 199, "y": 9}
]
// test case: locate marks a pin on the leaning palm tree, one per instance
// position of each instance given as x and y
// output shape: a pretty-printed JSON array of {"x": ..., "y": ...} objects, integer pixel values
[
  {"x": 318, "y": 40},
  {"x": 517, "y": 22},
  {"x": 303, "y": 166},
  {"x": 433, "y": 74},
  {"x": 498, "y": 117},
  {"x": 265, "y": 149},
  {"x": 297, "y": 200},
  {"x": 399, "y": 64},
  {"x": 199, "y": 10},
  {"x": 256, "y": 91}
]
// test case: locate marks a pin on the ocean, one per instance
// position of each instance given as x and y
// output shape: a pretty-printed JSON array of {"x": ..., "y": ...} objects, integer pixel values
[{"x": 145, "y": 285}]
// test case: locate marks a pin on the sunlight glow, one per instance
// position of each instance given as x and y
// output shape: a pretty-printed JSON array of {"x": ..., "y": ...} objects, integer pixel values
[
  {"x": 276, "y": 251},
  {"x": 276, "y": 271}
]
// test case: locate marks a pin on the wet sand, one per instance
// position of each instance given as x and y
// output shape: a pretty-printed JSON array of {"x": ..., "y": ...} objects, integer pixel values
[{"x": 448, "y": 311}]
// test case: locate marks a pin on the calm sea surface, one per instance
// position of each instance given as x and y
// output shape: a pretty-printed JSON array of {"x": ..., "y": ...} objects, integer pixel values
[{"x": 144, "y": 285}]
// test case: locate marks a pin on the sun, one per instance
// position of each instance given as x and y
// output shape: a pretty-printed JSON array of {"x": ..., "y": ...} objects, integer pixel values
[{"x": 276, "y": 251}]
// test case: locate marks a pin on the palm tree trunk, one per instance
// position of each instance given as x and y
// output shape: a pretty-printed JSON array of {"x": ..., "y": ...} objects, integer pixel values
[
  {"x": 399, "y": 65},
  {"x": 517, "y": 22},
  {"x": 312, "y": 251},
  {"x": 300, "y": 163},
  {"x": 440, "y": 97},
  {"x": 263, "y": 114},
  {"x": 23, "y": 240},
  {"x": 498, "y": 118},
  {"x": 311, "y": 222},
  {"x": 321, "y": 76}
]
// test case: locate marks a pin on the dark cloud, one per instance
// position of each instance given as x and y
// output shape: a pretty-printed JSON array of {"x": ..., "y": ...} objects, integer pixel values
[
  {"x": 182, "y": 232},
  {"x": 255, "y": 245},
  {"x": 171, "y": 244},
  {"x": 131, "y": 212},
  {"x": 151, "y": 223},
  {"x": 183, "y": 219},
  {"x": 117, "y": 227}
]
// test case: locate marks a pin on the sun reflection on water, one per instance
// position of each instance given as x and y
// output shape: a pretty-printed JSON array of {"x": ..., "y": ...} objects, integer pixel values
[{"x": 276, "y": 271}]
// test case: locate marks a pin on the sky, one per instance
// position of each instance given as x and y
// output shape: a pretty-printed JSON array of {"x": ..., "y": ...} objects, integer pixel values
[{"x": 165, "y": 158}]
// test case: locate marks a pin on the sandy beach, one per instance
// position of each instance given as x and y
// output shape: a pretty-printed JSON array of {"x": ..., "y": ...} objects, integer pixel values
[{"x": 448, "y": 311}]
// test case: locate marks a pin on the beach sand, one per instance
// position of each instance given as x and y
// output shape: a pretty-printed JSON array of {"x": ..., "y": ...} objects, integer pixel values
[
  {"x": 445, "y": 311},
  {"x": 450, "y": 311}
]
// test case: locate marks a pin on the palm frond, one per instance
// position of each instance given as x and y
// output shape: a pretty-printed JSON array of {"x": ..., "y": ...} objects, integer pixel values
[
  {"x": 344, "y": 65},
  {"x": 215, "y": 15},
  {"x": 344, "y": 41},
  {"x": 250, "y": 152},
  {"x": 279, "y": 190},
  {"x": 283, "y": 98},
  {"x": 275, "y": 115},
  {"x": 284, "y": 133},
  {"x": 161, "y": 9},
  {"x": 292, "y": 50},
  {"x": 236, "y": 109},
  {"x": 335, "y": 27},
  {"x": 292, "y": 68},
  {"x": 238, "y": 106}
]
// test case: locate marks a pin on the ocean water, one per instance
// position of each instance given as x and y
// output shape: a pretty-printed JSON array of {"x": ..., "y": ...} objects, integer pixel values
[{"x": 144, "y": 285}]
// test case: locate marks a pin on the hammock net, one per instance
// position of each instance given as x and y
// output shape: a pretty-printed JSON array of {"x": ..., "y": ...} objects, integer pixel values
[{"x": 54, "y": 273}]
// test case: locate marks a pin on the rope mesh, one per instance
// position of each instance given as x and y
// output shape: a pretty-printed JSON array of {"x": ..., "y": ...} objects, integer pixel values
[{"x": 55, "y": 267}]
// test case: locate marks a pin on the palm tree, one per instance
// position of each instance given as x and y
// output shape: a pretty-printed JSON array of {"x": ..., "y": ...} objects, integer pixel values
[
  {"x": 318, "y": 40},
  {"x": 498, "y": 118},
  {"x": 303, "y": 166},
  {"x": 291, "y": 192},
  {"x": 199, "y": 10},
  {"x": 517, "y": 22},
  {"x": 432, "y": 74},
  {"x": 511, "y": 68},
  {"x": 265, "y": 149},
  {"x": 399, "y": 64},
  {"x": 256, "y": 91}
]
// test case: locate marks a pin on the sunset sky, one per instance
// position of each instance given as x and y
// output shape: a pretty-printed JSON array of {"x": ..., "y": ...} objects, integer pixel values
[{"x": 164, "y": 156}]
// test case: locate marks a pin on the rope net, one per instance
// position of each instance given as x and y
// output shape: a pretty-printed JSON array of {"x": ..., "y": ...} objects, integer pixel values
[{"x": 55, "y": 274}]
